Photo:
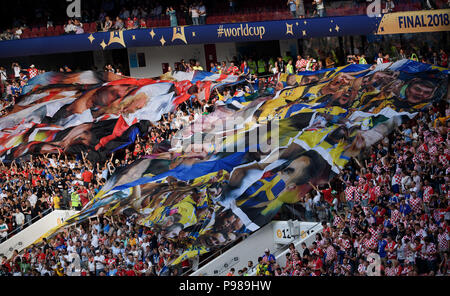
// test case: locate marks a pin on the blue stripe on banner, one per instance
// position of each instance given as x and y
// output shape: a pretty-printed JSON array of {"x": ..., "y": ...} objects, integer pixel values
[
  {"x": 347, "y": 69},
  {"x": 227, "y": 84},
  {"x": 187, "y": 173},
  {"x": 241, "y": 99},
  {"x": 298, "y": 107},
  {"x": 200, "y": 76}
]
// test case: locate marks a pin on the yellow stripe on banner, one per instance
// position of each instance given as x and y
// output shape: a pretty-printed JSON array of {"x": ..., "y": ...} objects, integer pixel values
[{"x": 415, "y": 22}]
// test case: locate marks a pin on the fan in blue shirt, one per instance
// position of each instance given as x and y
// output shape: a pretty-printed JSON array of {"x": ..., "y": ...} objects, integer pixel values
[
  {"x": 381, "y": 248},
  {"x": 405, "y": 209}
]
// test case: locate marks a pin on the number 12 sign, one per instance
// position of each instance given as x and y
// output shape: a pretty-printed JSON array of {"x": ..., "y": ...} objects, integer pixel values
[{"x": 281, "y": 233}]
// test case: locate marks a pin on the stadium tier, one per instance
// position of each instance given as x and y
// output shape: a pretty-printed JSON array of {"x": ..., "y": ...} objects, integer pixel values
[{"x": 296, "y": 138}]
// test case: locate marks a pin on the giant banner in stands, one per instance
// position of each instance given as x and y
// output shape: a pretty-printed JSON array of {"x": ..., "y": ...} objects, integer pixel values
[
  {"x": 233, "y": 32},
  {"x": 316, "y": 122},
  {"x": 94, "y": 112}
]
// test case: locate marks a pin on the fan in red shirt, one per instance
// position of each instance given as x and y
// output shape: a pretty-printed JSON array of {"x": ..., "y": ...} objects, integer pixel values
[
  {"x": 87, "y": 177},
  {"x": 32, "y": 72},
  {"x": 83, "y": 195},
  {"x": 326, "y": 228},
  {"x": 120, "y": 271},
  {"x": 130, "y": 23},
  {"x": 130, "y": 272},
  {"x": 185, "y": 264},
  {"x": 137, "y": 149},
  {"x": 139, "y": 266},
  {"x": 7, "y": 265},
  {"x": 327, "y": 196},
  {"x": 317, "y": 264},
  {"x": 35, "y": 179}
]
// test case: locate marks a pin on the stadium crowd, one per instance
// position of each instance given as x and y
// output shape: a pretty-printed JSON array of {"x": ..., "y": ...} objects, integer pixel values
[{"x": 395, "y": 200}]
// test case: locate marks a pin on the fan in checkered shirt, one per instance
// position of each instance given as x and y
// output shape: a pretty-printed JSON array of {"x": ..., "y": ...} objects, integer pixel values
[{"x": 32, "y": 72}]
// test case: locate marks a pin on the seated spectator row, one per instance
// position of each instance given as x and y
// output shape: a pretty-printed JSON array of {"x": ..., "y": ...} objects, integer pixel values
[{"x": 245, "y": 15}]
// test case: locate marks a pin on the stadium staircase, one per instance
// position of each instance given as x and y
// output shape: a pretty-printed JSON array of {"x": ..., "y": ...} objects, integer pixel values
[
  {"x": 275, "y": 236},
  {"x": 29, "y": 235}
]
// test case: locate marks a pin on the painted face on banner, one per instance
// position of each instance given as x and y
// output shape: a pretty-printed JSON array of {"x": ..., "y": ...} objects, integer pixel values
[
  {"x": 337, "y": 83},
  {"x": 309, "y": 79},
  {"x": 420, "y": 91}
]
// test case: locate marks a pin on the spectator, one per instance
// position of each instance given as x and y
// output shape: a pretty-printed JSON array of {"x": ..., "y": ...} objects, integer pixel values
[
  {"x": 300, "y": 9},
  {"x": 269, "y": 260},
  {"x": 3, "y": 229},
  {"x": 290, "y": 67},
  {"x": 443, "y": 58},
  {"x": 3, "y": 83},
  {"x": 124, "y": 13},
  {"x": 118, "y": 24},
  {"x": 197, "y": 66},
  {"x": 320, "y": 7},
  {"x": 70, "y": 28},
  {"x": 202, "y": 13},
  {"x": 292, "y": 8},
  {"x": 107, "y": 25},
  {"x": 32, "y": 71},
  {"x": 232, "y": 6},
  {"x": 16, "y": 68},
  {"x": 78, "y": 27},
  {"x": 233, "y": 69},
  {"x": 214, "y": 68},
  {"x": 129, "y": 24},
  {"x": 262, "y": 269},
  {"x": 380, "y": 59},
  {"x": 300, "y": 64},
  {"x": 389, "y": 7},
  {"x": 194, "y": 14},
  {"x": 428, "y": 4},
  {"x": 185, "y": 12}
]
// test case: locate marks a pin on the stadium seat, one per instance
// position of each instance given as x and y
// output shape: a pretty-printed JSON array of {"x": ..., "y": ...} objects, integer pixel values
[
  {"x": 47, "y": 33},
  {"x": 93, "y": 27},
  {"x": 212, "y": 20},
  {"x": 26, "y": 31},
  {"x": 59, "y": 30},
  {"x": 25, "y": 34},
  {"x": 166, "y": 23},
  {"x": 253, "y": 17}
]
